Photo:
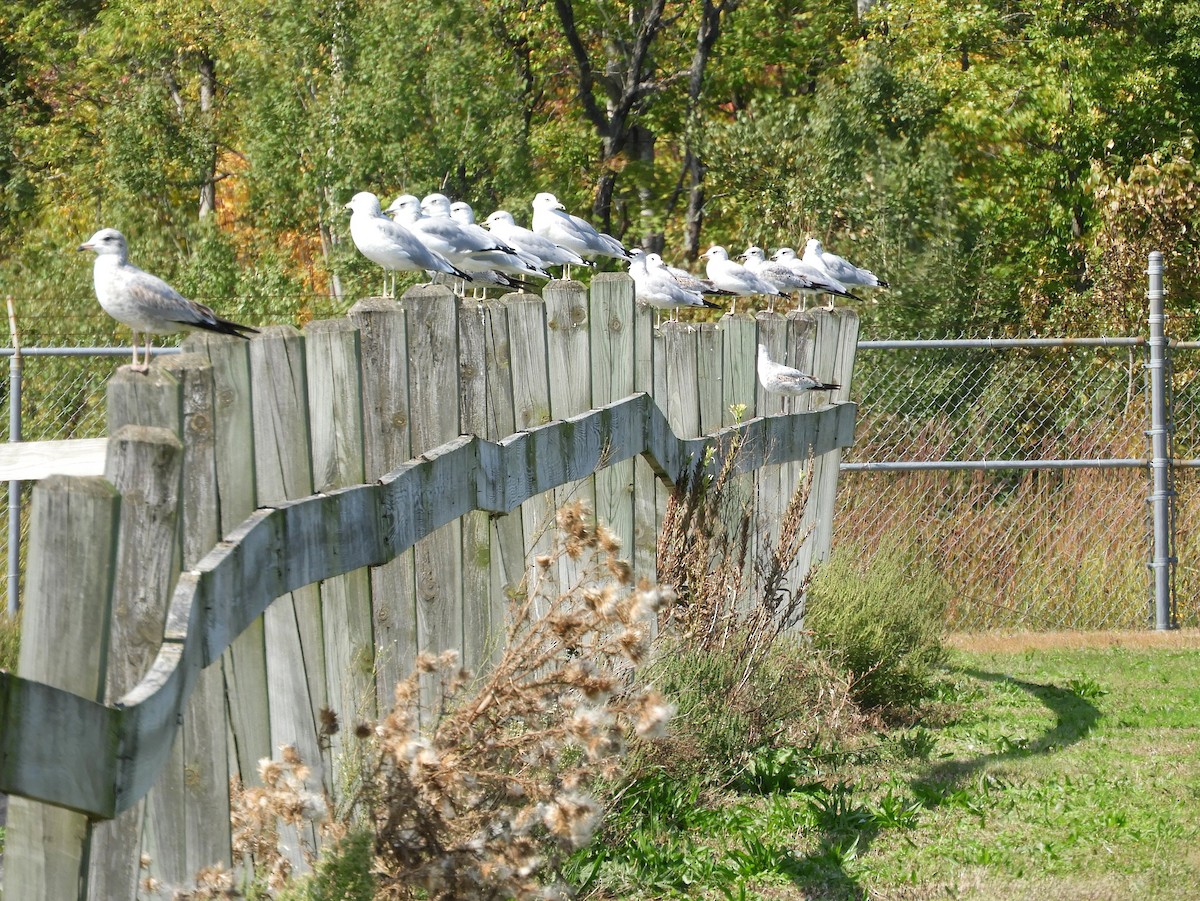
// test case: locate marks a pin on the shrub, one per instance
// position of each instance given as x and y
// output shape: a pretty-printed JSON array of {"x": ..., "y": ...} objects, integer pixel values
[{"x": 884, "y": 624}]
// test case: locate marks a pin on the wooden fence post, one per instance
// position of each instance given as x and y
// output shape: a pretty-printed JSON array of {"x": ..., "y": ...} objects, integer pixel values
[
  {"x": 296, "y": 677},
  {"x": 336, "y": 413},
  {"x": 387, "y": 428},
  {"x": 64, "y": 637},
  {"x": 144, "y": 465},
  {"x": 434, "y": 395}
]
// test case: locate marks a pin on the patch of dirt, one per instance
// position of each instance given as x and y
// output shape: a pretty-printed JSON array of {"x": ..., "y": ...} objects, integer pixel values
[{"x": 1015, "y": 642}]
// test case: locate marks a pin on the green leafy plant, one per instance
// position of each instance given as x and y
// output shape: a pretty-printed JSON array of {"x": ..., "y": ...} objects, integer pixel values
[{"x": 883, "y": 624}]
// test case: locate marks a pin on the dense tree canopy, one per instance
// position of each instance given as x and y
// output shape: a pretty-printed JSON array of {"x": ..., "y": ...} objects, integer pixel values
[{"x": 1007, "y": 165}]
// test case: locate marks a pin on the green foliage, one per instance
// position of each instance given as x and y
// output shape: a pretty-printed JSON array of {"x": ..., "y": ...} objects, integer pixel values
[
  {"x": 884, "y": 625},
  {"x": 342, "y": 873}
]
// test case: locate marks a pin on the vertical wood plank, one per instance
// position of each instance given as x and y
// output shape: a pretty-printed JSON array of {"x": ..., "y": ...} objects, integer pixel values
[
  {"x": 244, "y": 664},
  {"x": 295, "y": 653},
  {"x": 568, "y": 357},
  {"x": 335, "y": 397},
  {"x": 483, "y": 618},
  {"x": 645, "y": 483},
  {"x": 432, "y": 317},
  {"x": 69, "y": 573},
  {"x": 387, "y": 443},
  {"x": 507, "y": 537},
  {"x": 144, "y": 465},
  {"x": 531, "y": 407},
  {"x": 613, "y": 378},
  {"x": 711, "y": 377}
]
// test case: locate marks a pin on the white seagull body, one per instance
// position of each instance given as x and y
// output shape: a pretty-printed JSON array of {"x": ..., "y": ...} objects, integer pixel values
[
  {"x": 546, "y": 252},
  {"x": 815, "y": 272},
  {"x": 654, "y": 285},
  {"x": 780, "y": 379},
  {"x": 389, "y": 244},
  {"x": 550, "y": 220},
  {"x": 734, "y": 277},
  {"x": 782, "y": 278},
  {"x": 144, "y": 302},
  {"x": 841, "y": 268},
  {"x": 505, "y": 257}
]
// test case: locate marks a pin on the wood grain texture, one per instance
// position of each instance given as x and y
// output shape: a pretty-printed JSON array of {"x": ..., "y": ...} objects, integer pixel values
[
  {"x": 69, "y": 573},
  {"x": 387, "y": 443}
]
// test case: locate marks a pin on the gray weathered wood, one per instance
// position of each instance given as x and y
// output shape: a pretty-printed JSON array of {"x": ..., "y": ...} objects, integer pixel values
[
  {"x": 568, "y": 361},
  {"x": 29, "y": 461},
  {"x": 387, "y": 444},
  {"x": 244, "y": 668},
  {"x": 433, "y": 390},
  {"x": 144, "y": 466},
  {"x": 613, "y": 377},
  {"x": 483, "y": 612},
  {"x": 335, "y": 411},
  {"x": 507, "y": 547},
  {"x": 531, "y": 407},
  {"x": 69, "y": 578},
  {"x": 283, "y": 463},
  {"x": 644, "y": 551}
]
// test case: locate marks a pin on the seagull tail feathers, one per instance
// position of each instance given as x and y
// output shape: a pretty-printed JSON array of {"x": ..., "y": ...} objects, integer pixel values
[
  {"x": 711, "y": 305},
  {"x": 225, "y": 327}
]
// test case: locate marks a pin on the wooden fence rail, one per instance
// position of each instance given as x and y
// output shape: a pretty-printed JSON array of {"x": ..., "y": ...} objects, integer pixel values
[{"x": 381, "y": 482}]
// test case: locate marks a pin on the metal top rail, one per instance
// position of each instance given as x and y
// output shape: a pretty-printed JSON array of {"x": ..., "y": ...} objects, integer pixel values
[{"x": 997, "y": 343}]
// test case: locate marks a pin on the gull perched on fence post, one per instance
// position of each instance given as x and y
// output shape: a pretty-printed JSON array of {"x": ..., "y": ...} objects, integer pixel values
[
  {"x": 144, "y": 302},
  {"x": 734, "y": 277},
  {"x": 815, "y": 272},
  {"x": 841, "y": 268},
  {"x": 390, "y": 244},
  {"x": 551, "y": 220},
  {"x": 502, "y": 224},
  {"x": 780, "y": 379}
]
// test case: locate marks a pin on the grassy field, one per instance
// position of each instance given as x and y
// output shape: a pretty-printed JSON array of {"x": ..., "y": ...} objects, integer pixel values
[{"x": 1051, "y": 768}]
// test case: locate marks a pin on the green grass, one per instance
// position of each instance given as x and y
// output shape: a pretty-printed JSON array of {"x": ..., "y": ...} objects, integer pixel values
[{"x": 1044, "y": 774}]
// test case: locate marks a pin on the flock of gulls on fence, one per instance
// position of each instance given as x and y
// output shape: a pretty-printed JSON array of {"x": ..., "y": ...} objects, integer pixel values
[{"x": 443, "y": 240}]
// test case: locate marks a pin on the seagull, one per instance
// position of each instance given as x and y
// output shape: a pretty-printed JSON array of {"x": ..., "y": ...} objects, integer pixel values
[
  {"x": 550, "y": 220},
  {"x": 780, "y": 379},
  {"x": 815, "y": 272},
  {"x": 730, "y": 276},
  {"x": 782, "y": 278},
  {"x": 699, "y": 285},
  {"x": 653, "y": 284},
  {"x": 389, "y": 243},
  {"x": 144, "y": 302},
  {"x": 841, "y": 268},
  {"x": 502, "y": 225},
  {"x": 504, "y": 257}
]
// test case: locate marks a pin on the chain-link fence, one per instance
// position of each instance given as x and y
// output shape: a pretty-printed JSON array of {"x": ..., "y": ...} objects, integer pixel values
[{"x": 1017, "y": 469}]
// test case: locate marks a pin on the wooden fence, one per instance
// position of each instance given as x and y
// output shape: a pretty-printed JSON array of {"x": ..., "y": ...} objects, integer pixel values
[{"x": 381, "y": 482}]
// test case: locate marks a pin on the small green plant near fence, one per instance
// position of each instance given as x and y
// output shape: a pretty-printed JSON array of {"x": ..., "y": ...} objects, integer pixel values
[{"x": 883, "y": 624}]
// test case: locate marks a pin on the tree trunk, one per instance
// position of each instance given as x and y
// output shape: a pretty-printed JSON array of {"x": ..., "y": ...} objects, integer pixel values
[{"x": 208, "y": 94}]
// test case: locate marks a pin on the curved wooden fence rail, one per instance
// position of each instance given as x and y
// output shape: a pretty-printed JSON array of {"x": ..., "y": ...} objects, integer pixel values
[
  {"x": 380, "y": 482},
  {"x": 65, "y": 750}
]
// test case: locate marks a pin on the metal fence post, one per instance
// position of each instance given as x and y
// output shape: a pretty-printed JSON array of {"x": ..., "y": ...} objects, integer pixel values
[
  {"x": 1162, "y": 496},
  {"x": 14, "y": 487}
]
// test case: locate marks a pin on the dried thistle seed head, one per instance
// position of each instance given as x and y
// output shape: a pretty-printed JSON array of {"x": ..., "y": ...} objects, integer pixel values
[
  {"x": 270, "y": 771},
  {"x": 426, "y": 663},
  {"x": 329, "y": 721},
  {"x": 290, "y": 755},
  {"x": 572, "y": 818},
  {"x": 653, "y": 714},
  {"x": 544, "y": 560},
  {"x": 364, "y": 730},
  {"x": 620, "y": 569}
]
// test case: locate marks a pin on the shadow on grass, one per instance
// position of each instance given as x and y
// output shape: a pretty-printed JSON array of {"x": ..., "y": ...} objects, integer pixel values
[{"x": 847, "y": 830}]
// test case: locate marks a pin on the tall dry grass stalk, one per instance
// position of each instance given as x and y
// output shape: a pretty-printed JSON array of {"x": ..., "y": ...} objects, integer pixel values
[
  {"x": 483, "y": 796},
  {"x": 734, "y": 592}
]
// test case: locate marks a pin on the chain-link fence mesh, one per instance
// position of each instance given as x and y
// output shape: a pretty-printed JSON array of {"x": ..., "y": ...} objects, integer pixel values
[
  {"x": 1034, "y": 548},
  {"x": 1020, "y": 548}
]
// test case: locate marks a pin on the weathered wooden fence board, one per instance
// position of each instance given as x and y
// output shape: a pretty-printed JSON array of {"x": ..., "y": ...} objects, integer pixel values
[{"x": 417, "y": 534}]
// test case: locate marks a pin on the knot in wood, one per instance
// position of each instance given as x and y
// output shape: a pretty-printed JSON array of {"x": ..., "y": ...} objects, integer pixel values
[
  {"x": 199, "y": 424},
  {"x": 226, "y": 397},
  {"x": 615, "y": 324},
  {"x": 399, "y": 419}
]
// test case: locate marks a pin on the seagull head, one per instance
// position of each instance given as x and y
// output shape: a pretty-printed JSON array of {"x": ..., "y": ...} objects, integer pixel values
[
  {"x": 106, "y": 242},
  {"x": 405, "y": 208},
  {"x": 716, "y": 252},
  {"x": 753, "y": 253},
  {"x": 784, "y": 253},
  {"x": 462, "y": 212},
  {"x": 500, "y": 217},
  {"x": 364, "y": 202},
  {"x": 547, "y": 201},
  {"x": 436, "y": 205},
  {"x": 655, "y": 260},
  {"x": 812, "y": 245}
]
